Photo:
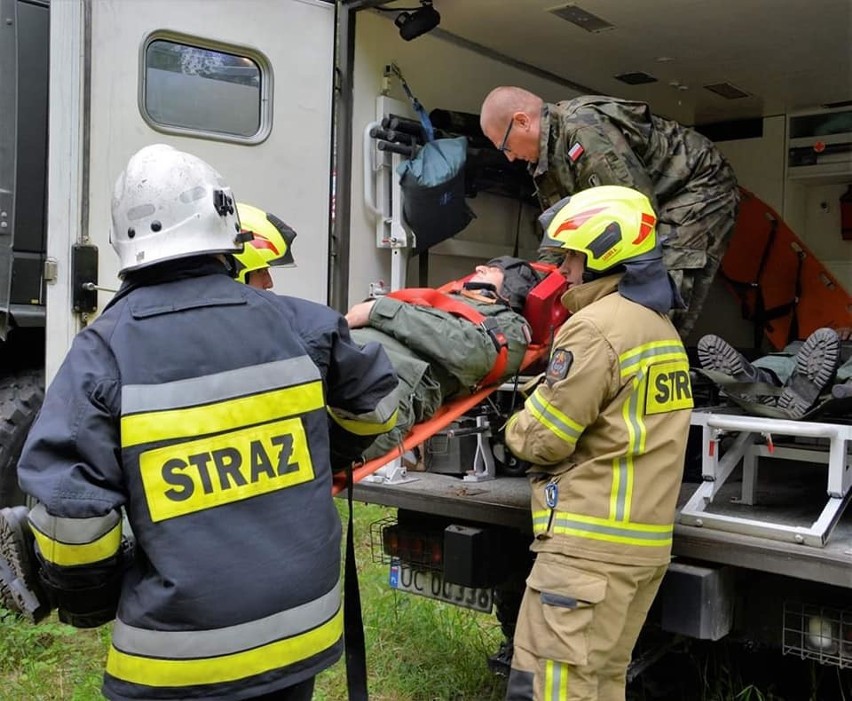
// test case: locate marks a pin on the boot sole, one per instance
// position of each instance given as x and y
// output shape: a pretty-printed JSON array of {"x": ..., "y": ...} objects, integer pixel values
[
  {"x": 715, "y": 353},
  {"x": 19, "y": 590},
  {"x": 816, "y": 363}
]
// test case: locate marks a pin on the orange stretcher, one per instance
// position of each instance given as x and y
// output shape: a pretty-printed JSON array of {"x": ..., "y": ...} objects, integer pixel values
[
  {"x": 782, "y": 287},
  {"x": 545, "y": 314}
]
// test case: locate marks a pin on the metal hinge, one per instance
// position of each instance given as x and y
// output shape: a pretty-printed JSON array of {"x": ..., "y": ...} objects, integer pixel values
[{"x": 51, "y": 270}]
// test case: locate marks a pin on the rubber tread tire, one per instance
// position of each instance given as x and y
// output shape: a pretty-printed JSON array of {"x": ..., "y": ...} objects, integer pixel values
[{"x": 21, "y": 396}]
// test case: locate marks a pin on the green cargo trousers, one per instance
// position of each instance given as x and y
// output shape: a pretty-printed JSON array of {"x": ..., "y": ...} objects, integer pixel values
[{"x": 578, "y": 623}]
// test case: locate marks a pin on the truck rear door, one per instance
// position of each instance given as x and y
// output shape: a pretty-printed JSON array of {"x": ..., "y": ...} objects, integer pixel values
[{"x": 243, "y": 84}]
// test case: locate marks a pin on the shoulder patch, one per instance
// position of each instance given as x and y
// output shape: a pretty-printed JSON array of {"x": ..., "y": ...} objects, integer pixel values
[
  {"x": 575, "y": 152},
  {"x": 560, "y": 364}
]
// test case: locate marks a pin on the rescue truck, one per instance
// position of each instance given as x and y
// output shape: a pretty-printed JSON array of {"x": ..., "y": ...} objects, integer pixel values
[{"x": 290, "y": 99}]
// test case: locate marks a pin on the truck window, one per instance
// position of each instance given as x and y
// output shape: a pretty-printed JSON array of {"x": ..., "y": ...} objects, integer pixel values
[{"x": 213, "y": 92}]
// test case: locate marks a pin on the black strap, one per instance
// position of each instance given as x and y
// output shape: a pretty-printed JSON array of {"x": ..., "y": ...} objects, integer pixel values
[
  {"x": 353, "y": 624},
  {"x": 428, "y": 129},
  {"x": 793, "y": 334},
  {"x": 760, "y": 315}
]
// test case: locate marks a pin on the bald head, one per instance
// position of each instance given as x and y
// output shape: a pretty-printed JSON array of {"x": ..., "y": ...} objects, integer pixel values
[{"x": 509, "y": 105}]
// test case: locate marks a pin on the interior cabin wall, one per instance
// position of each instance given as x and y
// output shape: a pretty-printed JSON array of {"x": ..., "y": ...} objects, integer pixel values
[{"x": 445, "y": 76}]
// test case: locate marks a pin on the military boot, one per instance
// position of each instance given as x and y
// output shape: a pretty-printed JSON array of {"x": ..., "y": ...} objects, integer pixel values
[
  {"x": 19, "y": 588},
  {"x": 715, "y": 353},
  {"x": 816, "y": 363}
]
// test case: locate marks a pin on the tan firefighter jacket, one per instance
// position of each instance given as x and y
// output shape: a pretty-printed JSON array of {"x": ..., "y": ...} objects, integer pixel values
[{"x": 606, "y": 431}]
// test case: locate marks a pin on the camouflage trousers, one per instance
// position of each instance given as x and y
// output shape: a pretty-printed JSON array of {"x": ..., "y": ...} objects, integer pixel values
[
  {"x": 578, "y": 623},
  {"x": 692, "y": 253},
  {"x": 418, "y": 393},
  {"x": 783, "y": 363}
]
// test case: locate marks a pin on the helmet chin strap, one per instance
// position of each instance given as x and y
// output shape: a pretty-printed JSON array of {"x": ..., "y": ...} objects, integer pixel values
[
  {"x": 592, "y": 275},
  {"x": 230, "y": 264},
  {"x": 487, "y": 286}
]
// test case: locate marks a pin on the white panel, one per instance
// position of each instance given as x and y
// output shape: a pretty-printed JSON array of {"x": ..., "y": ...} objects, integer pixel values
[
  {"x": 445, "y": 76},
  {"x": 759, "y": 163},
  {"x": 287, "y": 174},
  {"x": 64, "y": 183}
]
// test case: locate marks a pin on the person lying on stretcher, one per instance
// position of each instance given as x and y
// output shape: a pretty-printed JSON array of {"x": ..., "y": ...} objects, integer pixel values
[
  {"x": 476, "y": 336},
  {"x": 442, "y": 345},
  {"x": 804, "y": 372}
]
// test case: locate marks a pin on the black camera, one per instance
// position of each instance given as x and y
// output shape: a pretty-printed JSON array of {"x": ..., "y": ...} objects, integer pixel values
[{"x": 413, "y": 24}]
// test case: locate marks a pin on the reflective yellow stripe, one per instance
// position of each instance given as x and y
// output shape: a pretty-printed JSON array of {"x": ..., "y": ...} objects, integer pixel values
[
  {"x": 69, "y": 555},
  {"x": 635, "y": 425},
  {"x": 554, "y": 420},
  {"x": 192, "y": 422},
  {"x": 632, "y": 360},
  {"x": 597, "y": 520},
  {"x": 616, "y": 484},
  {"x": 182, "y": 478},
  {"x": 225, "y": 668},
  {"x": 364, "y": 428},
  {"x": 555, "y": 681},
  {"x": 540, "y": 520}
]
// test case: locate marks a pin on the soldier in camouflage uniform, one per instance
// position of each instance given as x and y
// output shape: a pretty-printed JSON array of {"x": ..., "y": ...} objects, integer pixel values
[
  {"x": 437, "y": 354},
  {"x": 594, "y": 140}
]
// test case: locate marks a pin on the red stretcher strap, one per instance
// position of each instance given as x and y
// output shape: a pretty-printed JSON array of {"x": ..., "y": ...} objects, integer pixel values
[
  {"x": 439, "y": 299},
  {"x": 445, "y": 415}
]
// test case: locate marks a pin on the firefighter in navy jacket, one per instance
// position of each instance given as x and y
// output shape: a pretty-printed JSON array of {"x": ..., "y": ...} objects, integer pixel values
[{"x": 200, "y": 406}]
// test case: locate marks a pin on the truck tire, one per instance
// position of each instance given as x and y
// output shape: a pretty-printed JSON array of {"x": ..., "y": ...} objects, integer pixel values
[{"x": 21, "y": 395}]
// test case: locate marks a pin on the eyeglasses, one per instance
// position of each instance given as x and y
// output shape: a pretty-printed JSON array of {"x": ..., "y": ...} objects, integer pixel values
[{"x": 502, "y": 148}]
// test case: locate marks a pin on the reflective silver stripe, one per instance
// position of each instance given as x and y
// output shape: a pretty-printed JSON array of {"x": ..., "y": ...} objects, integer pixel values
[
  {"x": 555, "y": 681},
  {"x": 383, "y": 411},
  {"x": 73, "y": 531},
  {"x": 638, "y": 533},
  {"x": 218, "y": 387},
  {"x": 196, "y": 644},
  {"x": 636, "y": 439}
]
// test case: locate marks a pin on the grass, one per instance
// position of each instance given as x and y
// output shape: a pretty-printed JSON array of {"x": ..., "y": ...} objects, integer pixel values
[
  {"x": 50, "y": 661},
  {"x": 417, "y": 649}
]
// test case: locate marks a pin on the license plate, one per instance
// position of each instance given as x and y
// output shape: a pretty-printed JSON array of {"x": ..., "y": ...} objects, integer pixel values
[{"x": 432, "y": 585}]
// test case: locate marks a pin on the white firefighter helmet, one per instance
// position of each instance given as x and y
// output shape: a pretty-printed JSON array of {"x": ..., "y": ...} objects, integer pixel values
[{"x": 168, "y": 204}]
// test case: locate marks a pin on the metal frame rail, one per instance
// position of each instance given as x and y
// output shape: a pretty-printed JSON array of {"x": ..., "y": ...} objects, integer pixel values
[{"x": 831, "y": 449}]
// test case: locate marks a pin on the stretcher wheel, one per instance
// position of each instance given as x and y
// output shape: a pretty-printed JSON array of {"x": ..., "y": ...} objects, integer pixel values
[{"x": 507, "y": 464}]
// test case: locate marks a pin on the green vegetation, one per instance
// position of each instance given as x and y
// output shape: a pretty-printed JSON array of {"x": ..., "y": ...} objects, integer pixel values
[
  {"x": 417, "y": 649},
  {"x": 50, "y": 661}
]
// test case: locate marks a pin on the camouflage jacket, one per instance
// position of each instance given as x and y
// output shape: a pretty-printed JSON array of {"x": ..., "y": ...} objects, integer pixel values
[
  {"x": 463, "y": 352},
  {"x": 595, "y": 140}
]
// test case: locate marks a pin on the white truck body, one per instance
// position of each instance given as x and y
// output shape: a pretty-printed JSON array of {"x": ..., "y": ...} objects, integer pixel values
[{"x": 323, "y": 80}]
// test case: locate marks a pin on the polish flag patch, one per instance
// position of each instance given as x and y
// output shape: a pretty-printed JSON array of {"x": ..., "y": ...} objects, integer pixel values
[{"x": 575, "y": 152}]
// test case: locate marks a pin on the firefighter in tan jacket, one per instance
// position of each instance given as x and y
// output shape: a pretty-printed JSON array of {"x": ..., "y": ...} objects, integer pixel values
[{"x": 606, "y": 434}]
